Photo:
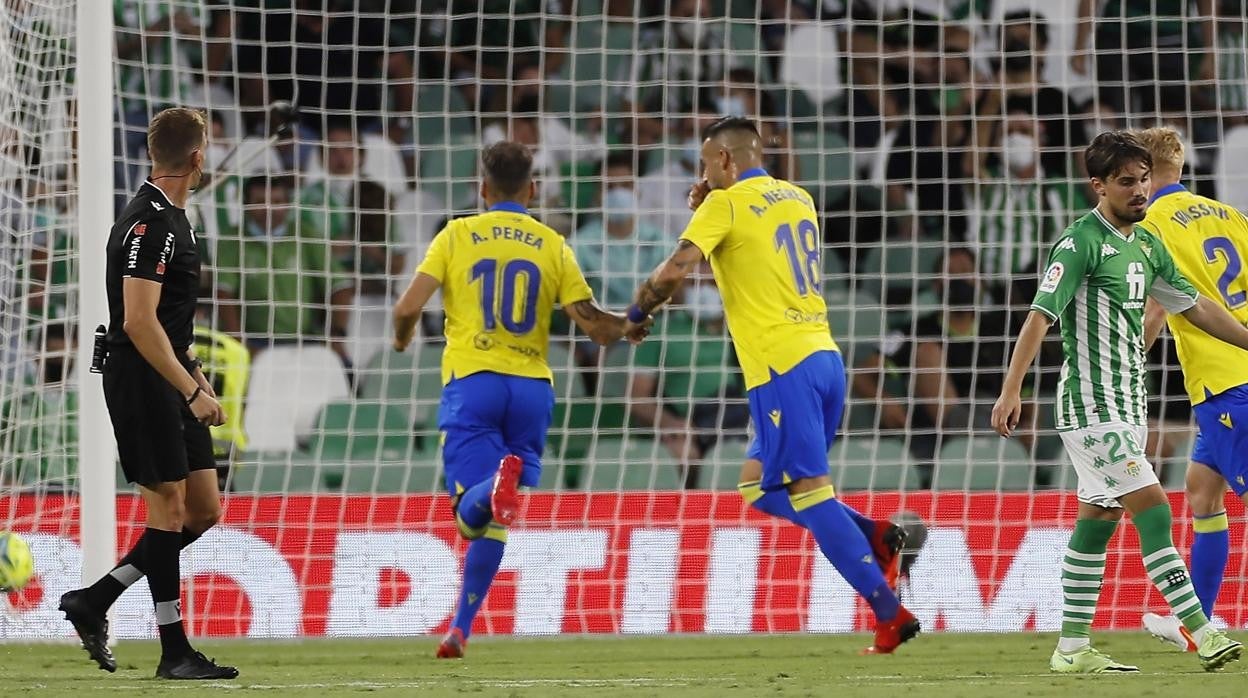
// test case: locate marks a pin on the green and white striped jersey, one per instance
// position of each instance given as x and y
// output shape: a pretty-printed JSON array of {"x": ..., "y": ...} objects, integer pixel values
[
  {"x": 1095, "y": 286},
  {"x": 1014, "y": 221}
]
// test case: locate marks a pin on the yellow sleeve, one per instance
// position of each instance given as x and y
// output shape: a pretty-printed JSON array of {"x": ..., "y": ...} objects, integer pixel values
[
  {"x": 438, "y": 256},
  {"x": 711, "y": 222},
  {"x": 572, "y": 285}
]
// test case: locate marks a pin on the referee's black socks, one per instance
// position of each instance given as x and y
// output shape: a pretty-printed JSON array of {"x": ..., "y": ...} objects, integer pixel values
[
  {"x": 130, "y": 569},
  {"x": 161, "y": 553}
]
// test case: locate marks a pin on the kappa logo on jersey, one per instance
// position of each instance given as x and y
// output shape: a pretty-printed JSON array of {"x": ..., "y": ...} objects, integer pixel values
[
  {"x": 1225, "y": 419},
  {"x": 157, "y": 206},
  {"x": 775, "y": 417},
  {"x": 1053, "y": 276},
  {"x": 1107, "y": 250},
  {"x": 1067, "y": 244}
]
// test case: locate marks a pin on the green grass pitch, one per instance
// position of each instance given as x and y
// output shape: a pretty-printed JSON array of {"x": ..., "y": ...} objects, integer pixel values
[{"x": 1011, "y": 666}]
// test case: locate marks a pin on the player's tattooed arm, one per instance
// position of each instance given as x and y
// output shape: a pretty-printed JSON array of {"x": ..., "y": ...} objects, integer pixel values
[
  {"x": 668, "y": 277},
  {"x": 602, "y": 325}
]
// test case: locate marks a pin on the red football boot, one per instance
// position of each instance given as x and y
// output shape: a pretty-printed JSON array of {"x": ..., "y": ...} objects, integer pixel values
[
  {"x": 505, "y": 498},
  {"x": 452, "y": 646},
  {"x": 889, "y": 635}
]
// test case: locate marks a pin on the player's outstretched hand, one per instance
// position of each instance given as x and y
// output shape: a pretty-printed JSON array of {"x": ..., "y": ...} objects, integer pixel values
[
  {"x": 697, "y": 194},
  {"x": 1005, "y": 414},
  {"x": 635, "y": 332}
]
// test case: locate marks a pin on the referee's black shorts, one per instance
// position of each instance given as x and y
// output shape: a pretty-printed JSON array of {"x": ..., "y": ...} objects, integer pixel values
[{"x": 158, "y": 438}]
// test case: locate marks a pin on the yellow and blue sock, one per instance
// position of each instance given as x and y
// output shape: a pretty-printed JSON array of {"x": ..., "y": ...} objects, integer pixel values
[
  {"x": 1210, "y": 550},
  {"x": 843, "y": 544},
  {"x": 776, "y": 503},
  {"x": 474, "y": 504},
  {"x": 481, "y": 563}
]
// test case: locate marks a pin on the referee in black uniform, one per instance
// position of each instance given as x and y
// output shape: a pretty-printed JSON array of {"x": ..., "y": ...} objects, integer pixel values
[{"x": 158, "y": 399}]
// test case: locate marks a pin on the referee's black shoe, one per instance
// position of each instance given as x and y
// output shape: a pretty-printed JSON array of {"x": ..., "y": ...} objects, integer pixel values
[
  {"x": 91, "y": 626},
  {"x": 193, "y": 665}
]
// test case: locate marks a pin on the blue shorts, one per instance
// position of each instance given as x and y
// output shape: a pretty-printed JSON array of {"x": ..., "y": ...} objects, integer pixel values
[
  {"x": 796, "y": 416},
  {"x": 485, "y": 416},
  {"x": 1222, "y": 442}
]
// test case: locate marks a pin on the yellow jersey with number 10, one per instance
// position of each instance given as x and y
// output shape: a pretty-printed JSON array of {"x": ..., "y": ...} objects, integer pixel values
[
  {"x": 762, "y": 237},
  {"x": 1209, "y": 243},
  {"x": 501, "y": 273}
]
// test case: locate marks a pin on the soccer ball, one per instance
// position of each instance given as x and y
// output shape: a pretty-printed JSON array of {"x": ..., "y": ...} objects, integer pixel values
[{"x": 16, "y": 564}]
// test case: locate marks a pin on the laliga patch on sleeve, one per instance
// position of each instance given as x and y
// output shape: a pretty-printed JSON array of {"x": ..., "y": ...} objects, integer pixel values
[{"x": 1052, "y": 277}]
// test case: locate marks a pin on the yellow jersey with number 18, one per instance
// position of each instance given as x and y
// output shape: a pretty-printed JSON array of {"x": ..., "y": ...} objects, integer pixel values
[
  {"x": 501, "y": 273},
  {"x": 1209, "y": 243},
  {"x": 762, "y": 237}
]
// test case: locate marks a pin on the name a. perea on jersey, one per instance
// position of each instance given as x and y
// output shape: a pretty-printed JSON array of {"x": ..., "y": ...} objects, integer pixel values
[
  {"x": 500, "y": 232},
  {"x": 1195, "y": 211},
  {"x": 775, "y": 196}
]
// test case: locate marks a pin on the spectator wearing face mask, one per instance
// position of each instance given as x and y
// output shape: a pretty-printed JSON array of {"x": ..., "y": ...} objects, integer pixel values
[
  {"x": 620, "y": 249},
  {"x": 687, "y": 383},
  {"x": 942, "y": 377},
  {"x": 1017, "y": 211}
]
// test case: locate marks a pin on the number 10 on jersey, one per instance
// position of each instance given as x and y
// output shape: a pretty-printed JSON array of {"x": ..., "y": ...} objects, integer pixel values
[{"x": 498, "y": 294}]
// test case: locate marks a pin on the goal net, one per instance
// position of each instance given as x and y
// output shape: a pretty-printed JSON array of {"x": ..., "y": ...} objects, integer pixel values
[{"x": 941, "y": 141}]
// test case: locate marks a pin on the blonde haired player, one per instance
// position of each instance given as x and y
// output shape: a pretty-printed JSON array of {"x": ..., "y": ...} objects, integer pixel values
[{"x": 1209, "y": 243}]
